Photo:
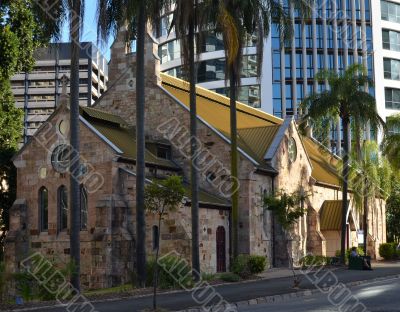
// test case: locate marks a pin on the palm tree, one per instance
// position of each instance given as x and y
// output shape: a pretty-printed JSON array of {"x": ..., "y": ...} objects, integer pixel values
[
  {"x": 236, "y": 19},
  {"x": 75, "y": 17},
  {"x": 52, "y": 18},
  {"x": 112, "y": 14},
  {"x": 188, "y": 17},
  {"x": 344, "y": 99},
  {"x": 364, "y": 179},
  {"x": 391, "y": 142}
]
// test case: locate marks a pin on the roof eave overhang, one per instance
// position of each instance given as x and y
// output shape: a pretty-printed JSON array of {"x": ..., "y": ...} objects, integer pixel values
[
  {"x": 324, "y": 184},
  {"x": 210, "y": 205},
  {"x": 268, "y": 172},
  {"x": 128, "y": 160}
]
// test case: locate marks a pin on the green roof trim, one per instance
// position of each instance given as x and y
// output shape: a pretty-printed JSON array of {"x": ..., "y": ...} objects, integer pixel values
[
  {"x": 207, "y": 199},
  {"x": 94, "y": 113},
  {"x": 116, "y": 130}
]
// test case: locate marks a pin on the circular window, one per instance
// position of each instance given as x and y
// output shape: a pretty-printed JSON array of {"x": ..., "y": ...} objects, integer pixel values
[
  {"x": 60, "y": 158},
  {"x": 292, "y": 150}
]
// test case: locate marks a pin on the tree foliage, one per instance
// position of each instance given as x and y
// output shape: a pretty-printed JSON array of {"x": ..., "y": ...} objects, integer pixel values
[
  {"x": 21, "y": 32},
  {"x": 393, "y": 212},
  {"x": 391, "y": 142},
  {"x": 345, "y": 98},
  {"x": 162, "y": 196},
  {"x": 287, "y": 208}
]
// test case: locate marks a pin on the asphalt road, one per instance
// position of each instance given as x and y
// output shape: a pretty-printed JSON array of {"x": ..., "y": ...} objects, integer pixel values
[
  {"x": 374, "y": 297},
  {"x": 241, "y": 291}
]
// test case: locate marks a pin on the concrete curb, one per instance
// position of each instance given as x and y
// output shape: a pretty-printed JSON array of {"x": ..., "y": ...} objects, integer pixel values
[{"x": 279, "y": 298}]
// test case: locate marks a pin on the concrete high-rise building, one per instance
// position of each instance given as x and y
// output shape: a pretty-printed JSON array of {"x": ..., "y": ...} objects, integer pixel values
[
  {"x": 386, "y": 33},
  {"x": 38, "y": 91}
]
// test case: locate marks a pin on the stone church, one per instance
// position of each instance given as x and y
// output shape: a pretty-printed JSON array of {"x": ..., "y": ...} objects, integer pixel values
[{"x": 273, "y": 156}]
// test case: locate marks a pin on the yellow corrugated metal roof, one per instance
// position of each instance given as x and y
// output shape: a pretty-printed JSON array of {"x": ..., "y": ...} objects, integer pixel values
[
  {"x": 125, "y": 141},
  {"x": 258, "y": 139},
  {"x": 214, "y": 108},
  {"x": 331, "y": 216},
  {"x": 256, "y": 129},
  {"x": 324, "y": 164}
]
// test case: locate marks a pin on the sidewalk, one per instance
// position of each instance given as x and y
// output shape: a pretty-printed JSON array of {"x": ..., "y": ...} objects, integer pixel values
[{"x": 276, "y": 282}]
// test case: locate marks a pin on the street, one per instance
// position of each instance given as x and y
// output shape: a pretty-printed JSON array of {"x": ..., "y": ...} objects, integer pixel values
[
  {"x": 378, "y": 296},
  {"x": 375, "y": 296}
]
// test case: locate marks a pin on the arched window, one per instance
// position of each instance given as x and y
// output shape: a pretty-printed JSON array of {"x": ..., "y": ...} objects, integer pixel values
[
  {"x": 155, "y": 237},
  {"x": 62, "y": 204},
  {"x": 84, "y": 207},
  {"x": 43, "y": 209}
]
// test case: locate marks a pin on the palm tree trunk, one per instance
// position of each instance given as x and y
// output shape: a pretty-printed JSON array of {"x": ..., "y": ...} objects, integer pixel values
[
  {"x": 155, "y": 278},
  {"x": 365, "y": 218},
  {"x": 234, "y": 164},
  {"x": 74, "y": 141},
  {"x": 193, "y": 150},
  {"x": 140, "y": 147},
  {"x": 346, "y": 125}
]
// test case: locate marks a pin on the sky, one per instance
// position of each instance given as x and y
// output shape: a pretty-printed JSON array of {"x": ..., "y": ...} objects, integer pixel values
[{"x": 90, "y": 29}]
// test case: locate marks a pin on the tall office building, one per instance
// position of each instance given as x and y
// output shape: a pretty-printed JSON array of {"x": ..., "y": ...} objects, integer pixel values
[
  {"x": 338, "y": 33},
  {"x": 211, "y": 66},
  {"x": 38, "y": 91},
  {"x": 386, "y": 33}
]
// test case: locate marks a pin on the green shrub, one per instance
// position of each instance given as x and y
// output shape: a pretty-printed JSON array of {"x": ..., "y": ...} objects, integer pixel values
[
  {"x": 314, "y": 260},
  {"x": 173, "y": 272},
  {"x": 257, "y": 264},
  {"x": 240, "y": 266},
  {"x": 25, "y": 285},
  {"x": 229, "y": 277},
  {"x": 29, "y": 288},
  {"x": 396, "y": 253},
  {"x": 387, "y": 251},
  {"x": 206, "y": 277}
]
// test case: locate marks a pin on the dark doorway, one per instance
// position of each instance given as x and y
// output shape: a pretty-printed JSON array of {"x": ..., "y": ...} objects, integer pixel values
[{"x": 221, "y": 249}]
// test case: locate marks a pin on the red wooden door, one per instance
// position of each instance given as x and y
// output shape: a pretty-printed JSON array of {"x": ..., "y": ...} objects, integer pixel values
[{"x": 221, "y": 249}]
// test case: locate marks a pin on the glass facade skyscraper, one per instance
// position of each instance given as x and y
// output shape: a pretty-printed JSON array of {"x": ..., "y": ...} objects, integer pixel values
[
  {"x": 211, "y": 65},
  {"x": 336, "y": 34}
]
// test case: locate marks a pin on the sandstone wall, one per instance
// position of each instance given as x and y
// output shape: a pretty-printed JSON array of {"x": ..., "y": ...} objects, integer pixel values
[{"x": 34, "y": 170}]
